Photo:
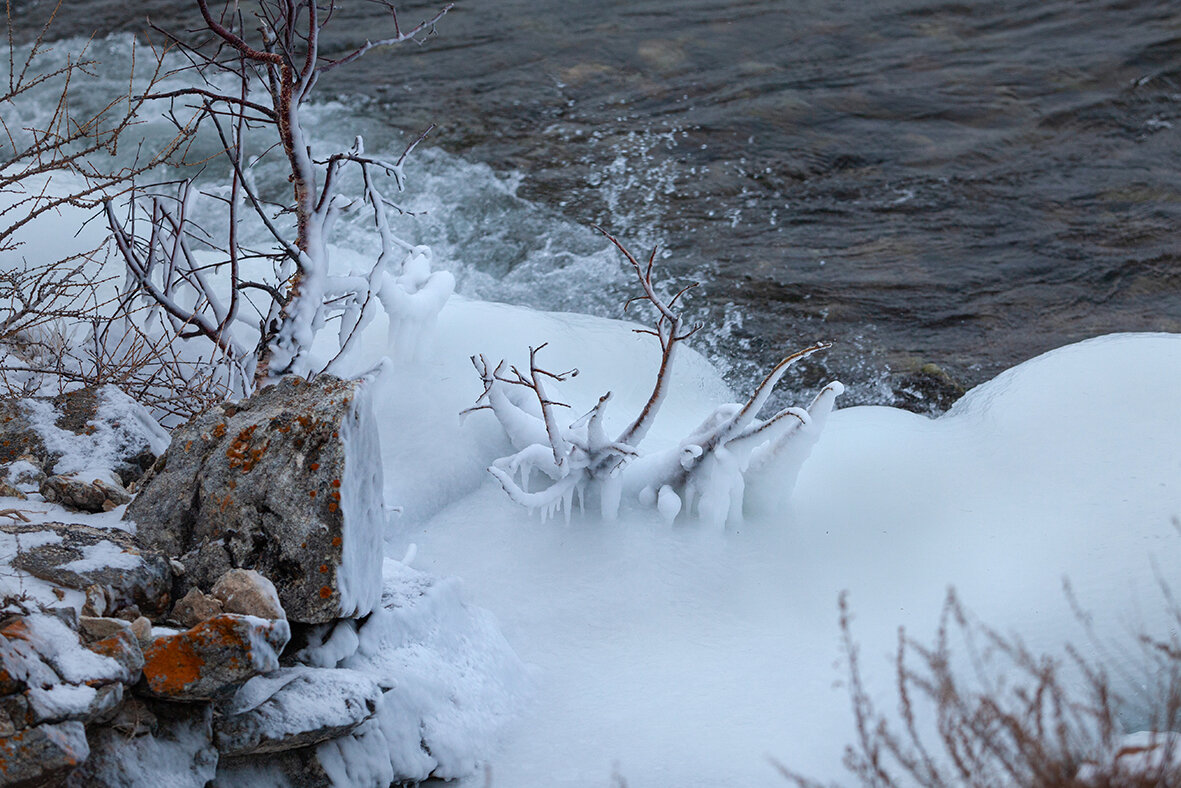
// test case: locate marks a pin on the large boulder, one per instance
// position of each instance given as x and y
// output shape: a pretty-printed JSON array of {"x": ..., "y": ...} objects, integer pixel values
[
  {"x": 288, "y": 483},
  {"x": 80, "y": 557}
]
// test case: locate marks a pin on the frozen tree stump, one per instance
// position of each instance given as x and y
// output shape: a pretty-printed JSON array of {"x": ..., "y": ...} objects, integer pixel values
[{"x": 287, "y": 482}]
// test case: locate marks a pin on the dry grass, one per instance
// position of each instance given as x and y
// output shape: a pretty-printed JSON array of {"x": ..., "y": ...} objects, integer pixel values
[{"x": 978, "y": 709}]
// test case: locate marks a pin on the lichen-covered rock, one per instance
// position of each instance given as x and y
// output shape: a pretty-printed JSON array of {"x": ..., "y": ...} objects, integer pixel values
[
  {"x": 213, "y": 658},
  {"x": 287, "y": 482},
  {"x": 195, "y": 607},
  {"x": 84, "y": 496},
  {"x": 123, "y": 647},
  {"x": 156, "y": 745},
  {"x": 247, "y": 592},
  {"x": 79, "y": 557},
  {"x": 43, "y": 755},
  {"x": 294, "y": 707}
]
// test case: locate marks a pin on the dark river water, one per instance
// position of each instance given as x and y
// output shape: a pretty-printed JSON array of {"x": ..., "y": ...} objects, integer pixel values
[{"x": 964, "y": 184}]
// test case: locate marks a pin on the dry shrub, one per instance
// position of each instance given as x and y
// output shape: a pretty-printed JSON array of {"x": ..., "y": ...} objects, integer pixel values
[{"x": 991, "y": 713}]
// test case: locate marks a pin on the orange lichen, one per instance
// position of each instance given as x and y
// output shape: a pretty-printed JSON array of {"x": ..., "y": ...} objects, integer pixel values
[
  {"x": 335, "y": 495},
  {"x": 332, "y": 507},
  {"x": 315, "y": 466},
  {"x": 323, "y": 568},
  {"x": 336, "y": 540},
  {"x": 188, "y": 445},
  {"x": 219, "y": 430},
  {"x": 325, "y": 592},
  {"x": 336, "y": 482},
  {"x": 312, "y": 494},
  {"x": 171, "y": 663}
]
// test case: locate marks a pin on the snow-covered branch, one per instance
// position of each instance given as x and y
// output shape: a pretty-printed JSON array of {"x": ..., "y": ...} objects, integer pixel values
[{"x": 706, "y": 473}]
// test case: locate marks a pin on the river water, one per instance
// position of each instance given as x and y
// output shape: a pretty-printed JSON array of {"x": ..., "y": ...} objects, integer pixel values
[{"x": 964, "y": 184}]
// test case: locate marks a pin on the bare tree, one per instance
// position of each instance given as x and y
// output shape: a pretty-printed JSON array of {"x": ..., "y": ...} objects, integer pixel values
[
  {"x": 705, "y": 473},
  {"x": 272, "y": 75}
]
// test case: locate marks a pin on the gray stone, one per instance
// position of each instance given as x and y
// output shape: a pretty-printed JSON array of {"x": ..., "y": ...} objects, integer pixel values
[
  {"x": 142, "y": 629},
  {"x": 43, "y": 755},
  {"x": 83, "y": 496},
  {"x": 295, "y": 707},
  {"x": 142, "y": 578},
  {"x": 14, "y": 711},
  {"x": 94, "y": 628},
  {"x": 270, "y": 484},
  {"x": 195, "y": 607},
  {"x": 289, "y": 769},
  {"x": 247, "y": 592}
]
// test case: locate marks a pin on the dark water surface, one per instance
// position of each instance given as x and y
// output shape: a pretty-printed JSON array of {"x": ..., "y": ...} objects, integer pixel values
[{"x": 960, "y": 183}]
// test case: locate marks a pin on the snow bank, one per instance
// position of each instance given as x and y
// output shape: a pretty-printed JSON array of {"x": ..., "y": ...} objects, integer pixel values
[{"x": 680, "y": 657}]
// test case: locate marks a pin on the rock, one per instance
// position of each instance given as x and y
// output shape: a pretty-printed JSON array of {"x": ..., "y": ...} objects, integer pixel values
[
  {"x": 294, "y": 707},
  {"x": 42, "y": 755},
  {"x": 18, "y": 439},
  {"x": 123, "y": 647},
  {"x": 90, "y": 428},
  {"x": 289, "y": 769},
  {"x": 213, "y": 658},
  {"x": 142, "y": 629},
  {"x": 175, "y": 751},
  {"x": 96, "y": 628},
  {"x": 247, "y": 592},
  {"x": 74, "y": 493},
  {"x": 14, "y": 712},
  {"x": 287, "y": 482},
  {"x": 83, "y": 556},
  {"x": 195, "y": 607},
  {"x": 927, "y": 389},
  {"x": 9, "y": 491}
]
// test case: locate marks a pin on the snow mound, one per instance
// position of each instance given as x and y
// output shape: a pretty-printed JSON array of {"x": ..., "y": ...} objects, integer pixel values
[
  {"x": 451, "y": 683},
  {"x": 676, "y": 656}
]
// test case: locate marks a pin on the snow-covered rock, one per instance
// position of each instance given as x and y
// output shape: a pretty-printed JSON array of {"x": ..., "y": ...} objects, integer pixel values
[
  {"x": 79, "y": 557},
  {"x": 287, "y": 482},
  {"x": 87, "y": 433},
  {"x": 295, "y": 707},
  {"x": 150, "y": 746}
]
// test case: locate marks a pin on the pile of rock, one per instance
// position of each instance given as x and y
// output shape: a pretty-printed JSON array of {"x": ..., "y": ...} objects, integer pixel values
[
  {"x": 248, "y": 627},
  {"x": 82, "y": 449}
]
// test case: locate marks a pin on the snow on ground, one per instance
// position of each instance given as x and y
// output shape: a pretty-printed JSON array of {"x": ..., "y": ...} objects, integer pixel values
[{"x": 686, "y": 656}]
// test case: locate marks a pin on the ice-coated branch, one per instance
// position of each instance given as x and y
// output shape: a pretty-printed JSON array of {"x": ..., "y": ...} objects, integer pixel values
[
  {"x": 706, "y": 473},
  {"x": 285, "y": 60}
]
